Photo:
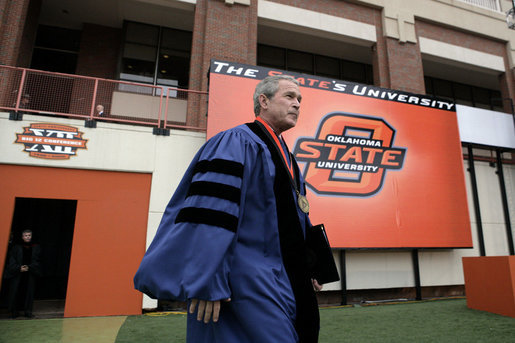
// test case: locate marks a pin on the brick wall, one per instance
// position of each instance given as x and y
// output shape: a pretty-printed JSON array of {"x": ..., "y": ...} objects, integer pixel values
[
  {"x": 99, "y": 51},
  {"x": 470, "y": 41},
  {"x": 29, "y": 34},
  {"x": 458, "y": 38},
  {"x": 359, "y": 13},
  {"x": 221, "y": 31},
  {"x": 12, "y": 22},
  {"x": 380, "y": 66},
  {"x": 98, "y": 57},
  {"x": 342, "y": 9},
  {"x": 405, "y": 66}
]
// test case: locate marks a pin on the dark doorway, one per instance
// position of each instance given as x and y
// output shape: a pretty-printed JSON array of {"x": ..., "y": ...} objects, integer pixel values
[{"x": 52, "y": 222}]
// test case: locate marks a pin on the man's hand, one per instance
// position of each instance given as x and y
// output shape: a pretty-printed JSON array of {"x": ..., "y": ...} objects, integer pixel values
[
  {"x": 206, "y": 309},
  {"x": 316, "y": 286},
  {"x": 24, "y": 268}
]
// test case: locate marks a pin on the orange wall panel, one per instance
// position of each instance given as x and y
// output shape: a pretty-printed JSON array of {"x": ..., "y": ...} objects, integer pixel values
[
  {"x": 109, "y": 234},
  {"x": 490, "y": 283}
]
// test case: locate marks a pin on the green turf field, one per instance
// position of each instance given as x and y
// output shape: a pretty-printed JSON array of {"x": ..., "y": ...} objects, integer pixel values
[{"x": 427, "y": 321}]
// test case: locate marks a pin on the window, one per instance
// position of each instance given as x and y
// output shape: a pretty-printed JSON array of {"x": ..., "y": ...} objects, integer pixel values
[
  {"x": 56, "y": 49},
  {"x": 300, "y": 62},
  {"x": 303, "y": 62},
  {"x": 327, "y": 66},
  {"x": 463, "y": 94},
  {"x": 270, "y": 56},
  {"x": 357, "y": 72},
  {"x": 156, "y": 55}
]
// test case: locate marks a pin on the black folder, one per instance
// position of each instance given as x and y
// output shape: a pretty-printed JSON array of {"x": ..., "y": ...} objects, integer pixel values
[{"x": 321, "y": 259}]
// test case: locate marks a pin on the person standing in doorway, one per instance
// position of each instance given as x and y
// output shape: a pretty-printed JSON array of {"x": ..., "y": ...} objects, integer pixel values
[{"x": 23, "y": 267}]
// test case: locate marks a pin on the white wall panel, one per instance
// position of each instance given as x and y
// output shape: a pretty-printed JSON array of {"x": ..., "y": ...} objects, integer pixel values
[
  {"x": 173, "y": 155},
  {"x": 313, "y": 21},
  {"x": 496, "y": 242},
  {"x": 442, "y": 267},
  {"x": 379, "y": 269},
  {"x": 109, "y": 147},
  {"x": 509, "y": 180}
]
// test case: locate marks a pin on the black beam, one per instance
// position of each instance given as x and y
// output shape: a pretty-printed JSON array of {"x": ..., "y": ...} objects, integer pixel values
[
  {"x": 475, "y": 195},
  {"x": 15, "y": 115},
  {"x": 343, "y": 277},
  {"x": 506, "y": 210},
  {"x": 90, "y": 123},
  {"x": 416, "y": 274},
  {"x": 160, "y": 131}
]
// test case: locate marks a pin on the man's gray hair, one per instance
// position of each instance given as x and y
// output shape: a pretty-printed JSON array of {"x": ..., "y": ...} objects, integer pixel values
[{"x": 269, "y": 86}]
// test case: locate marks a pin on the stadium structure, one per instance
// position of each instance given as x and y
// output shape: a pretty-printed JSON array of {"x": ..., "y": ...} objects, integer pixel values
[{"x": 103, "y": 104}]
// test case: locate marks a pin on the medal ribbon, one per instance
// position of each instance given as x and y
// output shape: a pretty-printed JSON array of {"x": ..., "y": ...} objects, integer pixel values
[
  {"x": 279, "y": 146},
  {"x": 302, "y": 201}
]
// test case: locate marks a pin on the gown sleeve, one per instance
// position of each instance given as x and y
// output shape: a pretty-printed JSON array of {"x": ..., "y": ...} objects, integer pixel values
[{"x": 190, "y": 254}]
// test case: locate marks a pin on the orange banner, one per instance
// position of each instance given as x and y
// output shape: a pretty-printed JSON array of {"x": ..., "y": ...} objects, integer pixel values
[{"x": 384, "y": 168}]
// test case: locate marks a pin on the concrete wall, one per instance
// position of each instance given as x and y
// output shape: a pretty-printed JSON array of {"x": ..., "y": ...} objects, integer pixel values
[
  {"x": 115, "y": 147},
  {"x": 142, "y": 106}
]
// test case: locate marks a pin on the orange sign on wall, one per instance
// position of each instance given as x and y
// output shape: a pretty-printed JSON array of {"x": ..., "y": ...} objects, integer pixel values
[
  {"x": 51, "y": 141},
  {"x": 383, "y": 168}
]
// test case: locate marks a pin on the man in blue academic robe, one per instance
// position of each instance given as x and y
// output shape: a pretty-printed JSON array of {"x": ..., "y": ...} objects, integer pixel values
[{"x": 232, "y": 239}]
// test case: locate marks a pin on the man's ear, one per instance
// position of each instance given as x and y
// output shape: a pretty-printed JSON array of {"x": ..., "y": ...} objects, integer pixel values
[{"x": 263, "y": 101}]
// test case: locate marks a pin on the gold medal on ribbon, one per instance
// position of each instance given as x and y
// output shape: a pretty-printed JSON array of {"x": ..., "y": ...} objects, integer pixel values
[{"x": 303, "y": 203}]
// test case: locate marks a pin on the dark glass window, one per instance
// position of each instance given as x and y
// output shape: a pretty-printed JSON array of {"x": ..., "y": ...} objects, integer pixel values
[
  {"x": 270, "y": 56},
  {"x": 482, "y": 98},
  {"x": 429, "y": 85},
  {"x": 56, "y": 49},
  {"x": 56, "y": 61},
  {"x": 498, "y": 103},
  {"x": 156, "y": 55},
  {"x": 300, "y": 61},
  {"x": 463, "y": 94},
  {"x": 443, "y": 89},
  {"x": 59, "y": 38},
  {"x": 354, "y": 71},
  {"x": 303, "y": 62},
  {"x": 327, "y": 66}
]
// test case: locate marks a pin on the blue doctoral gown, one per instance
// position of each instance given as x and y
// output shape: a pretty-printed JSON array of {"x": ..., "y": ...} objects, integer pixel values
[{"x": 220, "y": 238}]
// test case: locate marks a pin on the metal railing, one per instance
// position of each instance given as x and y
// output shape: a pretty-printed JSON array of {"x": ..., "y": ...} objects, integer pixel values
[
  {"x": 74, "y": 96},
  {"x": 488, "y": 4}
]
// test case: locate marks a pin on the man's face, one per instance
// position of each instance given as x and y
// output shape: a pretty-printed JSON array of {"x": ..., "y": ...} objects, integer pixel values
[
  {"x": 282, "y": 110},
  {"x": 27, "y": 237}
]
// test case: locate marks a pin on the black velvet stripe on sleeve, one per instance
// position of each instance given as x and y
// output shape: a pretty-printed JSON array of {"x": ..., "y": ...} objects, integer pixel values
[
  {"x": 206, "y": 216},
  {"x": 214, "y": 189},
  {"x": 221, "y": 166}
]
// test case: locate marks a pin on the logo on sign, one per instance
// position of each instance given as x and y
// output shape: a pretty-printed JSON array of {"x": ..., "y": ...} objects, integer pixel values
[
  {"x": 51, "y": 141},
  {"x": 349, "y": 155}
]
